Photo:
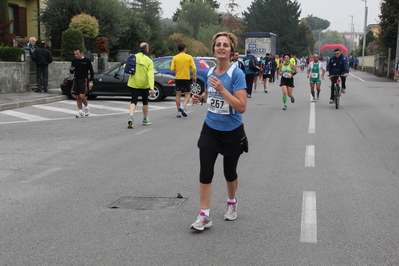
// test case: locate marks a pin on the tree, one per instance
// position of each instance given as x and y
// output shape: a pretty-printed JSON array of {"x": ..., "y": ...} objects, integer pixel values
[
  {"x": 332, "y": 37},
  {"x": 206, "y": 33},
  {"x": 389, "y": 19},
  {"x": 213, "y": 4},
  {"x": 112, "y": 16},
  {"x": 4, "y": 15},
  {"x": 316, "y": 23},
  {"x": 137, "y": 31},
  {"x": 5, "y": 36},
  {"x": 194, "y": 47},
  {"x": 71, "y": 39},
  {"x": 207, "y": 16},
  {"x": 277, "y": 16},
  {"x": 305, "y": 41},
  {"x": 88, "y": 25},
  {"x": 232, "y": 21},
  {"x": 149, "y": 11}
]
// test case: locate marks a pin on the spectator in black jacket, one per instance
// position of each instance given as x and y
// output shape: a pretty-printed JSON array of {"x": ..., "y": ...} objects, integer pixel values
[{"x": 42, "y": 57}]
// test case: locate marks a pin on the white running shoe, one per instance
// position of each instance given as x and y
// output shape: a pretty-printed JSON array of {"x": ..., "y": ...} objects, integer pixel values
[
  {"x": 87, "y": 111},
  {"x": 79, "y": 115},
  {"x": 202, "y": 222},
  {"x": 231, "y": 213}
]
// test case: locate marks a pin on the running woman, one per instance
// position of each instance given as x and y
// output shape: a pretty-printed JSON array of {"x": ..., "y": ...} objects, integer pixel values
[
  {"x": 316, "y": 69},
  {"x": 223, "y": 130},
  {"x": 287, "y": 71}
]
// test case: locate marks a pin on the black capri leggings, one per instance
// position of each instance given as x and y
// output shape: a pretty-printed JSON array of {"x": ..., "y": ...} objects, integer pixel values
[
  {"x": 144, "y": 95},
  {"x": 207, "y": 165}
]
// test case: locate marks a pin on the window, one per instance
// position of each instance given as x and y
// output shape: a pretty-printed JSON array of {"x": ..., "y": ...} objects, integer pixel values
[{"x": 18, "y": 13}]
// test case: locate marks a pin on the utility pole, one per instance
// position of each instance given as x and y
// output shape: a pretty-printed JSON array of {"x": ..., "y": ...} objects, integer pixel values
[
  {"x": 351, "y": 46},
  {"x": 364, "y": 32},
  {"x": 397, "y": 52}
]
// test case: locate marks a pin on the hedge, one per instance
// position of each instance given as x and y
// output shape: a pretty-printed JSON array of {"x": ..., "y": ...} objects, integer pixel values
[{"x": 11, "y": 54}]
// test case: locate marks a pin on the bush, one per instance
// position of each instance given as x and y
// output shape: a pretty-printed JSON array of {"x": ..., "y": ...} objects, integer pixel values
[
  {"x": 11, "y": 54},
  {"x": 71, "y": 39},
  {"x": 87, "y": 24}
]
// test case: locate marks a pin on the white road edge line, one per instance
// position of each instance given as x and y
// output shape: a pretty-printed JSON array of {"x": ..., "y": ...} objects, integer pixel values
[
  {"x": 40, "y": 175},
  {"x": 312, "y": 119},
  {"x": 309, "y": 218},
  {"x": 310, "y": 156},
  {"x": 357, "y": 77}
]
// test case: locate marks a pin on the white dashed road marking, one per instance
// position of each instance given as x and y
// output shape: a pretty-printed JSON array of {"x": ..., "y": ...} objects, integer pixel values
[
  {"x": 310, "y": 156},
  {"x": 309, "y": 218},
  {"x": 25, "y": 116},
  {"x": 312, "y": 119}
]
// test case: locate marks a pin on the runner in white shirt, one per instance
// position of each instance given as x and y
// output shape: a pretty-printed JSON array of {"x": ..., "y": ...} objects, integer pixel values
[{"x": 316, "y": 71}]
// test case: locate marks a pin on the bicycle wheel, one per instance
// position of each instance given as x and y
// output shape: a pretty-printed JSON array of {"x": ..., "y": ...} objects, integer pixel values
[{"x": 336, "y": 95}]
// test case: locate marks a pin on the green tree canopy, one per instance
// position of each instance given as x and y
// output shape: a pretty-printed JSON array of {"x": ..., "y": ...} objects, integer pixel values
[
  {"x": 189, "y": 13},
  {"x": 277, "y": 16},
  {"x": 333, "y": 37},
  {"x": 389, "y": 19},
  {"x": 316, "y": 23},
  {"x": 176, "y": 15},
  {"x": 111, "y": 15}
]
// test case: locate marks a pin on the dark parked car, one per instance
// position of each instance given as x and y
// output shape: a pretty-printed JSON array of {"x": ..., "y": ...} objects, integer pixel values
[
  {"x": 113, "y": 82},
  {"x": 162, "y": 64}
]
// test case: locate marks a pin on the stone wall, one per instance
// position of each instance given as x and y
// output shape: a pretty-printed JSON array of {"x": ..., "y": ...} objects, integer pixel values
[
  {"x": 14, "y": 76},
  {"x": 21, "y": 76}
]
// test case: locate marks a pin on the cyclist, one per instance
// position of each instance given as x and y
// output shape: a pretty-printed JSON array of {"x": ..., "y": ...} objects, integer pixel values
[
  {"x": 316, "y": 71},
  {"x": 338, "y": 65}
]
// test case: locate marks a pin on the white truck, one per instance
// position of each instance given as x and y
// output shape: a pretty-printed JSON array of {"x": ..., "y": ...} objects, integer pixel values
[{"x": 260, "y": 43}]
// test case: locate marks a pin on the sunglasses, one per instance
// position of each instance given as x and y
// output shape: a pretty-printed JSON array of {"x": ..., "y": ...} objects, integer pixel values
[{"x": 337, "y": 53}]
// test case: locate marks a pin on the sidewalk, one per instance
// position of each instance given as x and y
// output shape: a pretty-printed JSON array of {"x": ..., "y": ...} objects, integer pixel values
[{"x": 27, "y": 98}]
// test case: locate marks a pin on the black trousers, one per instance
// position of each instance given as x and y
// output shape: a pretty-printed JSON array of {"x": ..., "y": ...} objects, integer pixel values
[
  {"x": 42, "y": 77},
  {"x": 333, "y": 80},
  {"x": 249, "y": 78}
]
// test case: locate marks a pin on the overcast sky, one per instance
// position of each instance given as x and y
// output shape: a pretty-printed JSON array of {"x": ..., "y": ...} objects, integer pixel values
[{"x": 338, "y": 12}]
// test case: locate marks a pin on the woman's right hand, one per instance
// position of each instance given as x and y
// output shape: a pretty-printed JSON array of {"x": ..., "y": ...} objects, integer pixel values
[{"x": 196, "y": 99}]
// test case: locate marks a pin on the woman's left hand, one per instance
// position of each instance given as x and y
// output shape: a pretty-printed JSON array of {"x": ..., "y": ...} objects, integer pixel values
[{"x": 215, "y": 83}]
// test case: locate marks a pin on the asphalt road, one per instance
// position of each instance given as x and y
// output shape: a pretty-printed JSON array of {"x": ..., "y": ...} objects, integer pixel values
[{"x": 319, "y": 186}]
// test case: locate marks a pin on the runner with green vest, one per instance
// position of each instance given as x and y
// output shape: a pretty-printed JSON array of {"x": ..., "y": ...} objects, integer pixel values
[
  {"x": 287, "y": 71},
  {"x": 316, "y": 71}
]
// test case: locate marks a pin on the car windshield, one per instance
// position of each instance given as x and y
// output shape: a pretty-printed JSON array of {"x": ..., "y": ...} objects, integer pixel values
[
  {"x": 116, "y": 69},
  {"x": 163, "y": 64}
]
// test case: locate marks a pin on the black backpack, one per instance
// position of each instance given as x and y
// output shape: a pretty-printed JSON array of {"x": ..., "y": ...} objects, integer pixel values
[
  {"x": 130, "y": 67},
  {"x": 251, "y": 65}
]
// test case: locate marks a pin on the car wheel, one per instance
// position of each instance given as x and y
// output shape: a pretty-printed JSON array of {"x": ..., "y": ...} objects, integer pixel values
[
  {"x": 158, "y": 94},
  {"x": 197, "y": 88},
  {"x": 70, "y": 94}
]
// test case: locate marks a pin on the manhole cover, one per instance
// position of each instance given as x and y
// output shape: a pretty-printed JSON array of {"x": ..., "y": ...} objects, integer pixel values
[{"x": 148, "y": 203}]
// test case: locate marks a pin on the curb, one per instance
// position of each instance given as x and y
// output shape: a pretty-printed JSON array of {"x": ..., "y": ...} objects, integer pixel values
[{"x": 8, "y": 106}]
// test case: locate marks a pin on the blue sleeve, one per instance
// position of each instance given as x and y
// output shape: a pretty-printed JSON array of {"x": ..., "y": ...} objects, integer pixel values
[
  {"x": 239, "y": 80},
  {"x": 346, "y": 65}
]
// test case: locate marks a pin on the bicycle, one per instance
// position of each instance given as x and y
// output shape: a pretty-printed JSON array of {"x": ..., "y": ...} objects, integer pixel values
[{"x": 337, "y": 89}]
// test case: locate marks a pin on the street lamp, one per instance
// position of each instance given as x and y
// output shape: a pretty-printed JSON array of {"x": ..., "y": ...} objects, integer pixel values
[{"x": 364, "y": 32}]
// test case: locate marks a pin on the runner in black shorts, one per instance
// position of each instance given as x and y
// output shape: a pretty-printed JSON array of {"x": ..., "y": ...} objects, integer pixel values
[
  {"x": 182, "y": 63},
  {"x": 80, "y": 67}
]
